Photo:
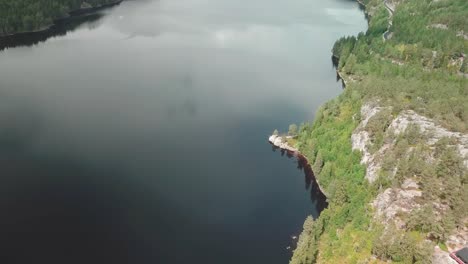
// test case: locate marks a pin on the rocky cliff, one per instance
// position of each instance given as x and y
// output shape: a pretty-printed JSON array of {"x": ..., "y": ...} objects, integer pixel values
[{"x": 396, "y": 204}]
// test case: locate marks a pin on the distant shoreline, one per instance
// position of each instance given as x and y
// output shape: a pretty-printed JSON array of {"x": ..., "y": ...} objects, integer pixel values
[{"x": 71, "y": 14}]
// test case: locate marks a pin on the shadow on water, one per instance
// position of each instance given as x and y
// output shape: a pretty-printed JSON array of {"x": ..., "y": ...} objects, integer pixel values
[
  {"x": 318, "y": 199},
  {"x": 335, "y": 62},
  {"x": 60, "y": 28}
]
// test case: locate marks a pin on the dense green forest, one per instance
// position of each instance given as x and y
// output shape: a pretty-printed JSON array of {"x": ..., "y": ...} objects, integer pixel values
[
  {"x": 30, "y": 15},
  {"x": 422, "y": 68}
]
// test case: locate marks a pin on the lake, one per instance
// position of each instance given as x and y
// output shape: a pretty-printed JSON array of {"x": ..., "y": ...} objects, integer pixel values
[{"x": 139, "y": 135}]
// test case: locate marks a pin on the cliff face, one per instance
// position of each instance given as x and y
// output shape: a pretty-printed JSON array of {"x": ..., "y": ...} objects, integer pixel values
[{"x": 427, "y": 129}]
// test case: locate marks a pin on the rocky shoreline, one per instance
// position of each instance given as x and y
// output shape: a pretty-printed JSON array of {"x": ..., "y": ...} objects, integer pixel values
[{"x": 281, "y": 143}]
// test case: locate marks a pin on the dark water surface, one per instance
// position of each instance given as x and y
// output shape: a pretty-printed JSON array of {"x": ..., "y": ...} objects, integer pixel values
[{"x": 140, "y": 136}]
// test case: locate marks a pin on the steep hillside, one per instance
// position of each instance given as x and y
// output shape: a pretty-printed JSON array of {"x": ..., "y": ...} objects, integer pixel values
[{"x": 392, "y": 150}]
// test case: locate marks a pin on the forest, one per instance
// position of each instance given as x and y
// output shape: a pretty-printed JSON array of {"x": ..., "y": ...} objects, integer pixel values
[
  {"x": 421, "y": 68},
  {"x": 31, "y": 15}
]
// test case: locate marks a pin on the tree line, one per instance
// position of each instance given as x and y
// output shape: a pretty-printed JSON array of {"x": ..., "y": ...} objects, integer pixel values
[{"x": 31, "y": 15}]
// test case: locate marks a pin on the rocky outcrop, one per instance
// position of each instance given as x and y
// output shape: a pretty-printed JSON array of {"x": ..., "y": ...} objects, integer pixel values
[
  {"x": 433, "y": 131},
  {"x": 442, "y": 257},
  {"x": 281, "y": 142},
  {"x": 462, "y": 34},
  {"x": 361, "y": 141},
  {"x": 394, "y": 201},
  {"x": 459, "y": 239},
  {"x": 393, "y": 205},
  {"x": 439, "y": 26}
]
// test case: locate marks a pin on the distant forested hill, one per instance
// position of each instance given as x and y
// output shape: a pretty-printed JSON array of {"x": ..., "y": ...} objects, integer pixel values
[{"x": 29, "y": 15}]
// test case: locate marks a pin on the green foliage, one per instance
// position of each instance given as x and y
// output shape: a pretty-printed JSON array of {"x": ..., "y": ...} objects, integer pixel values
[
  {"x": 350, "y": 66},
  {"x": 440, "y": 97},
  {"x": 442, "y": 181},
  {"x": 464, "y": 67},
  {"x": 292, "y": 130},
  {"x": 443, "y": 247},
  {"x": 330, "y": 135},
  {"x": 418, "y": 69},
  {"x": 339, "y": 172},
  {"x": 339, "y": 193},
  {"x": 29, "y": 15},
  {"x": 422, "y": 220},
  {"x": 377, "y": 126},
  {"x": 306, "y": 250},
  {"x": 451, "y": 172},
  {"x": 379, "y": 23},
  {"x": 413, "y": 134},
  {"x": 412, "y": 24},
  {"x": 395, "y": 245},
  {"x": 343, "y": 47},
  {"x": 318, "y": 164},
  {"x": 450, "y": 163}
]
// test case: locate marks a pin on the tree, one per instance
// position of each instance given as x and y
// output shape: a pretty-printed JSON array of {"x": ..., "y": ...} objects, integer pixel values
[
  {"x": 318, "y": 164},
  {"x": 340, "y": 195},
  {"x": 422, "y": 219},
  {"x": 350, "y": 65},
  {"x": 292, "y": 130},
  {"x": 306, "y": 250}
]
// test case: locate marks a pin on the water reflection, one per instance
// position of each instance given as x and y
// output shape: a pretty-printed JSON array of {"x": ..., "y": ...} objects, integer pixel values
[
  {"x": 318, "y": 199},
  {"x": 316, "y": 195},
  {"x": 157, "y": 142},
  {"x": 61, "y": 28}
]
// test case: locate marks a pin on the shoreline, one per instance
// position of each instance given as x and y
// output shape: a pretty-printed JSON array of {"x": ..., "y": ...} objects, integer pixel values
[
  {"x": 277, "y": 141},
  {"x": 339, "y": 75},
  {"x": 57, "y": 21},
  {"x": 84, "y": 11}
]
